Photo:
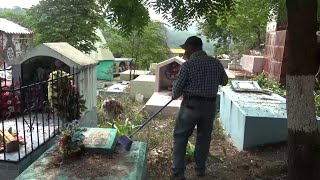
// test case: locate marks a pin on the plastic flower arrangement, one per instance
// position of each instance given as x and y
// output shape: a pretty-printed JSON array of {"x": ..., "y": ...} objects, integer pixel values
[
  {"x": 71, "y": 140},
  {"x": 9, "y": 102},
  {"x": 172, "y": 71}
]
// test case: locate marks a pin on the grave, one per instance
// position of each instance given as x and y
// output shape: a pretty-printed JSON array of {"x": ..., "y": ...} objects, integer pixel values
[
  {"x": 225, "y": 62},
  {"x": 166, "y": 72},
  {"x": 47, "y": 57},
  {"x": 252, "y": 63},
  {"x": 144, "y": 85},
  {"x": 104, "y": 56},
  {"x": 251, "y": 117},
  {"x": 115, "y": 90},
  {"x": 125, "y": 76},
  {"x": 101, "y": 142}
]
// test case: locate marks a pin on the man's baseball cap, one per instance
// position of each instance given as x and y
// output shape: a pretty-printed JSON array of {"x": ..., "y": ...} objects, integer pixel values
[{"x": 193, "y": 41}]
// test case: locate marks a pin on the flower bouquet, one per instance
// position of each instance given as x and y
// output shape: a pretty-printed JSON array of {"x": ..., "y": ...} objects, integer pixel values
[{"x": 70, "y": 143}]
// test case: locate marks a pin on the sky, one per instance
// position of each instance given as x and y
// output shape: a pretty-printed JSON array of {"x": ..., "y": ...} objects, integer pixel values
[{"x": 29, "y": 3}]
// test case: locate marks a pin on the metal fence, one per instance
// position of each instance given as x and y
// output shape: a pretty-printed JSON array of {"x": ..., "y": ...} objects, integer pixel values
[{"x": 27, "y": 118}]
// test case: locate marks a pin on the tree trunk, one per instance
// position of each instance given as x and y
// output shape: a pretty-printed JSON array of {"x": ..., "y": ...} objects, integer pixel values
[{"x": 303, "y": 133}]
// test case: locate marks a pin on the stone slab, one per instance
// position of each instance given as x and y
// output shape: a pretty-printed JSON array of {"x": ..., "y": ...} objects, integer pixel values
[
  {"x": 115, "y": 90},
  {"x": 253, "y": 119},
  {"x": 125, "y": 76},
  {"x": 100, "y": 140},
  {"x": 252, "y": 63},
  {"x": 225, "y": 62},
  {"x": 229, "y": 74},
  {"x": 144, "y": 85},
  {"x": 136, "y": 169},
  {"x": 158, "y": 100}
]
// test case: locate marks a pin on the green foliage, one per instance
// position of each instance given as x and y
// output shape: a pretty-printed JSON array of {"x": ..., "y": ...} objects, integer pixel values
[
  {"x": 127, "y": 15},
  {"x": 148, "y": 47},
  {"x": 317, "y": 102},
  {"x": 243, "y": 28},
  {"x": 131, "y": 116},
  {"x": 69, "y": 21},
  {"x": 184, "y": 13},
  {"x": 64, "y": 96},
  {"x": 71, "y": 140},
  {"x": 270, "y": 84},
  {"x": 190, "y": 152}
]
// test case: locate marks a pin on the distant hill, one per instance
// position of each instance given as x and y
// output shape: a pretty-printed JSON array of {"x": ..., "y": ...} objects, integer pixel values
[
  {"x": 14, "y": 9},
  {"x": 176, "y": 38}
]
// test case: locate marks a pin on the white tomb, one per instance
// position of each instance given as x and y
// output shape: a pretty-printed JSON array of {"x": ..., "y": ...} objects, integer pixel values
[
  {"x": 125, "y": 76},
  {"x": 165, "y": 73},
  {"x": 144, "y": 85}
]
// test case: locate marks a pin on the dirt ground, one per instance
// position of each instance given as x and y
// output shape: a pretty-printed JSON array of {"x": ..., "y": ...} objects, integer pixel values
[{"x": 225, "y": 162}]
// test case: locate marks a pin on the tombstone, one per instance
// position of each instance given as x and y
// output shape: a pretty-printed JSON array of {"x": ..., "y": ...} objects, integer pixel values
[
  {"x": 48, "y": 57},
  {"x": 165, "y": 75}
]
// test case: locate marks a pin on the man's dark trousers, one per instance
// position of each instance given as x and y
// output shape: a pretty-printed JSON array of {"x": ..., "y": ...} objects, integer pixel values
[{"x": 193, "y": 112}]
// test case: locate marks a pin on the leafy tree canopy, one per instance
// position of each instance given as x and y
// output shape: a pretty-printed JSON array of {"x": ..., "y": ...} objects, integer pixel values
[
  {"x": 67, "y": 21},
  {"x": 242, "y": 28},
  {"x": 145, "y": 47}
]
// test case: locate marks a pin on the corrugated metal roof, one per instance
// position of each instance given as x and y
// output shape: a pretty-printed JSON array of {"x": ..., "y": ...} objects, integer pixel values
[{"x": 12, "y": 28}]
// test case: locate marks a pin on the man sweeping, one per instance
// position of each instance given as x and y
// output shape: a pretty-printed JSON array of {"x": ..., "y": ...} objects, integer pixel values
[{"x": 198, "y": 82}]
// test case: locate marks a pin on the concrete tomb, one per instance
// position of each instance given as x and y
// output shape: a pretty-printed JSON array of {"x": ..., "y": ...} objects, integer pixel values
[
  {"x": 166, "y": 72},
  {"x": 98, "y": 141},
  {"x": 125, "y": 76},
  {"x": 144, "y": 85},
  {"x": 253, "y": 64},
  {"x": 253, "y": 118}
]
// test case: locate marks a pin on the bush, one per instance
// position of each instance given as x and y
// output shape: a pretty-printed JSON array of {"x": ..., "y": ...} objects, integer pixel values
[
  {"x": 270, "y": 84},
  {"x": 123, "y": 113}
]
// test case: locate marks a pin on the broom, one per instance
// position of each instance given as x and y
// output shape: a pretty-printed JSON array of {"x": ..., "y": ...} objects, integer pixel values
[{"x": 126, "y": 141}]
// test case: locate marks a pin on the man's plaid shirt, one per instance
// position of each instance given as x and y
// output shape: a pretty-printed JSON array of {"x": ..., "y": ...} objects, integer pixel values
[{"x": 200, "y": 76}]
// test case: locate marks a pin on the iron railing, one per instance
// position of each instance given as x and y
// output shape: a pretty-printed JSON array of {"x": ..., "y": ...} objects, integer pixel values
[{"x": 25, "y": 110}]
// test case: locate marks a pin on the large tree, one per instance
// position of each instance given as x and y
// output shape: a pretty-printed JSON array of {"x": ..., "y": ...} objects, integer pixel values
[
  {"x": 304, "y": 137},
  {"x": 69, "y": 21},
  {"x": 145, "y": 47},
  {"x": 241, "y": 28}
]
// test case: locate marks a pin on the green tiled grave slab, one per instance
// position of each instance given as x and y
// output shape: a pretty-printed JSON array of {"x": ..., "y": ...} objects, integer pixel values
[
  {"x": 134, "y": 163},
  {"x": 100, "y": 140}
]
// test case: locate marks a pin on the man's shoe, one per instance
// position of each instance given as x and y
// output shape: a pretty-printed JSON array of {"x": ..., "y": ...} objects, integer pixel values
[{"x": 200, "y": 173}]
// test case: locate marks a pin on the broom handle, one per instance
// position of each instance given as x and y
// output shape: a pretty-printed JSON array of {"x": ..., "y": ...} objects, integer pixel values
[{"x": 150, "y": 118}]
